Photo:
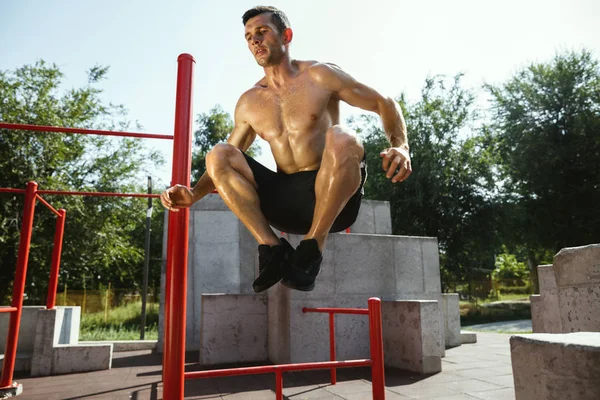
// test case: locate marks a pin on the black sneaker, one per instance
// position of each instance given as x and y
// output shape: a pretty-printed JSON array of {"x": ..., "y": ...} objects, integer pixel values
[
  {"x": 306, "y": 265},
  {"x": 271, "y": 262}
]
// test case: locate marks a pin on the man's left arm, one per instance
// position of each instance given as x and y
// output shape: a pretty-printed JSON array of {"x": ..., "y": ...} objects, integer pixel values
[{"x": 349, "y": 90}]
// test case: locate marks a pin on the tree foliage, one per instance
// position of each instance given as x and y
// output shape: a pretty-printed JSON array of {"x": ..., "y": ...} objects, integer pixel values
[
  {"x": 546, "y": 122},
  {"x": 450, "y": 192},
  {"x": 99, "y": 242}
]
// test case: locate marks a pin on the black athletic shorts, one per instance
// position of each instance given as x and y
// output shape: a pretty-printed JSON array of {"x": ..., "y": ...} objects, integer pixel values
[{"x": 288, "y": 201}]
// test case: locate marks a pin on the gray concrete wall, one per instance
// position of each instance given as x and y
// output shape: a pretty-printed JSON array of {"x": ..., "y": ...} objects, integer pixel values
[
  {"x": 545, "y": 310},
  {"x": 556, "y": 366},
  {"x": 234, "y": 328},
  {"x": 373, "y": 217},
  {"x": 354, "y": 268},
  {"x": 223, "y": 259},
  {"x": 577, "y": 272},
  {"x": 56, "y": 350},
  {"x": 451, "y": 309},
  {"x": 28, "y": 324},
  {"x": 569, "y": 292}
]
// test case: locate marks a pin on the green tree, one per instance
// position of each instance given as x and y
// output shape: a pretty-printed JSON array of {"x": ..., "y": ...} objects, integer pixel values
[
  {"x": 451, "y": 190},
  {"x": 213, "y": 127},
  {"x": 98, "y": 240},
  {"x": 546, "y": 120}
]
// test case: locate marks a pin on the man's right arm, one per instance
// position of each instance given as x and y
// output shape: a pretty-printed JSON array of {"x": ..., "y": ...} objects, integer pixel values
[{"x": 241, "y": 137}]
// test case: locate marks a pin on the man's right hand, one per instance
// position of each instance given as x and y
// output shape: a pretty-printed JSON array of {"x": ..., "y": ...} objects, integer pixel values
[{"x": 178, "y": 196}]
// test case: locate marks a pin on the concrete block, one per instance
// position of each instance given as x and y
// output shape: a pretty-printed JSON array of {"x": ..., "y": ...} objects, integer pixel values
[
  {"x": 556, "y": 366},
  {"x": 28, "y": 324},
  {"x": 537, "y": 313},
  {"x": 362, "y": 264},
  {"x": 51, "y": 357},
  {"x": 548, "y": 311},
  {"x": 374, "y": 218},
  {"x": 577, "y": 272},
  {"x": 279, "y": 324},
  {"x": 22, "y": 362},
  {"x": 383, "y": 217},
  {"x": 467, "y": 337},
  {"x": 234, "y": 328},
  {"x": 451, "y": 310},
  {"x": 15, "y": 390},
  {"x": 70, "y": 359},
  {"x": 125, "y": 345},
  {"x": 222, "y": 259},
  {"x": 411, "y": 337}
]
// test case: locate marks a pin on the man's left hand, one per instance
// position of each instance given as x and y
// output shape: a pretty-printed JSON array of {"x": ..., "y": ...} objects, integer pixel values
[{"x": 396, "y": 163}]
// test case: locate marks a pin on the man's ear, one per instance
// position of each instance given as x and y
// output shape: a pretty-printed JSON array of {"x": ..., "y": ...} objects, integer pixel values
[{"x": 288, "y": 34}]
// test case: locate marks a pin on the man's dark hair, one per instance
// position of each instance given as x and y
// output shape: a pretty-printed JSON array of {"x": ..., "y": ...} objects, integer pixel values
[{"x": 278, "y": 17}]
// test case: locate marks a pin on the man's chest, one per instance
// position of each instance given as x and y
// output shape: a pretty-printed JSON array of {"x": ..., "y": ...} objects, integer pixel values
[{"x": 298, "y": 108}]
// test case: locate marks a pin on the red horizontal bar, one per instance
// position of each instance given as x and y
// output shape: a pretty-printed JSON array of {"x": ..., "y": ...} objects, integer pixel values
[
  {"x": 8, "y": 309},
  {"x": 265, "y": 369},
  {"x": 44, "y": 202},
  {"x": 107, "y": 194},
  {"x": 41, "y": 128},
  {"x": 8, "y": 190},
  {"x": 361, "y": 311}
]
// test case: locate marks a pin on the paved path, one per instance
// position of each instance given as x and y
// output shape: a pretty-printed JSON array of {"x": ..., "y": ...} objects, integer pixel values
[
  {"x": 519, "y": 326},
  {"x": 480, "y": 371}
]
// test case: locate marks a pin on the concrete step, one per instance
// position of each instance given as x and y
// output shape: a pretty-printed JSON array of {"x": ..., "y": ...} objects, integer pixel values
[{"x": 22, "y": 362}]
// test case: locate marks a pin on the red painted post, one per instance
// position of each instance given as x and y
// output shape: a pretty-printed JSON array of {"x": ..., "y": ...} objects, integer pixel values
[
  {"x": 332, "y": 346},
  {"x": 279, "y": 384},
  {"x": 56, "y": 252},
  {"x": 176, "y": 280},
  {"x": 10, "y": 353},
  {"x": 376, "y": 338}
]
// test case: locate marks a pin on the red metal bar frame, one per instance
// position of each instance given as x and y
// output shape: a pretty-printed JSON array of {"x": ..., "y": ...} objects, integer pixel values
[
  {"x": 56, "y": 253},
  {"x": 44, "y": 202},
  {"x": 265, "y": 369},
  {"x": 176, "y": 265},
  {"x": 99, "y": 194},
  {"x": 8, "y": 309},
  {"x": 376, "y": 348},
  {"x": 10, "y": 352},
  {"x": 41, "y": 128},
  {"x": 332, "y": 346},
  {"x": 376, "y": 339},
  {"x": 358, "y": 311},
  {"x": 9, "y": 190},
  {"x": 67, "y": 193}
]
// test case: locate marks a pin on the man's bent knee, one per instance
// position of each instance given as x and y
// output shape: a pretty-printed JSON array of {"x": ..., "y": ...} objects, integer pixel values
[
  {"x": 341, "y": 140},
  {"x": 219, "y": 157}
]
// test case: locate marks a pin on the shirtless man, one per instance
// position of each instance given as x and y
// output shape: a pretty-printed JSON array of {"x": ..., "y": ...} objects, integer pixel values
[{"x": 317, "y": 188}]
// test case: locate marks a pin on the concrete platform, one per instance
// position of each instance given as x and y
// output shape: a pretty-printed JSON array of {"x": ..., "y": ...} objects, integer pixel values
[{"x": 480, "y": 371}]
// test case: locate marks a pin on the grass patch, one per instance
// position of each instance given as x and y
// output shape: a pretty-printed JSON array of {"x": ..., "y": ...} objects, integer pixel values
[
  {"x": 122, "y": 323},
  {"x": 486, "y": 311}
]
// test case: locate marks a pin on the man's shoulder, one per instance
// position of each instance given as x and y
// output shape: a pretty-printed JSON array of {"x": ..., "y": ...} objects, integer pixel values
[{"x": 321, "y": 70}]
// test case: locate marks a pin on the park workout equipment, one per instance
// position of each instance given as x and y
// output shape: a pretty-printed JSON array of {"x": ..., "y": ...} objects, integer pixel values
[
  {"x": 173, "y": 373},
  {"x": 375, "y": 362}
]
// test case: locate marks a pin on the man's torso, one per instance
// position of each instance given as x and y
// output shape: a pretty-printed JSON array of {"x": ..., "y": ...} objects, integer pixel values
[{"x": 293, "y": 119}]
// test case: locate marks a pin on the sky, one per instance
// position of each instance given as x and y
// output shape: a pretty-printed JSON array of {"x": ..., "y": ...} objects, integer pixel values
[{"x": 390, "y": 45}]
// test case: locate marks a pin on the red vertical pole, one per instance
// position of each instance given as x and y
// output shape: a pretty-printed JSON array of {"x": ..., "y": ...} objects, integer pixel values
[
  {"x": 376, "y": 338},
  {"x": 10, "y": 353},
  {"x": 332, "y": 346},
  {"x": 177, "y": 254},
  {"x": 278, "y": 384},
  {"x": 55, "y": 266}
]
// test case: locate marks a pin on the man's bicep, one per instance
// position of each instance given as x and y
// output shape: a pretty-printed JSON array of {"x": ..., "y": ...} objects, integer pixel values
[
  {"x": 242, "y": 135},
  {"x": 349, "y": 90}
]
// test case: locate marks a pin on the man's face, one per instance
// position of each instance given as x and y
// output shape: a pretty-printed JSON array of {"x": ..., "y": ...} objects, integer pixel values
[{"x": 264, "y": 40}]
